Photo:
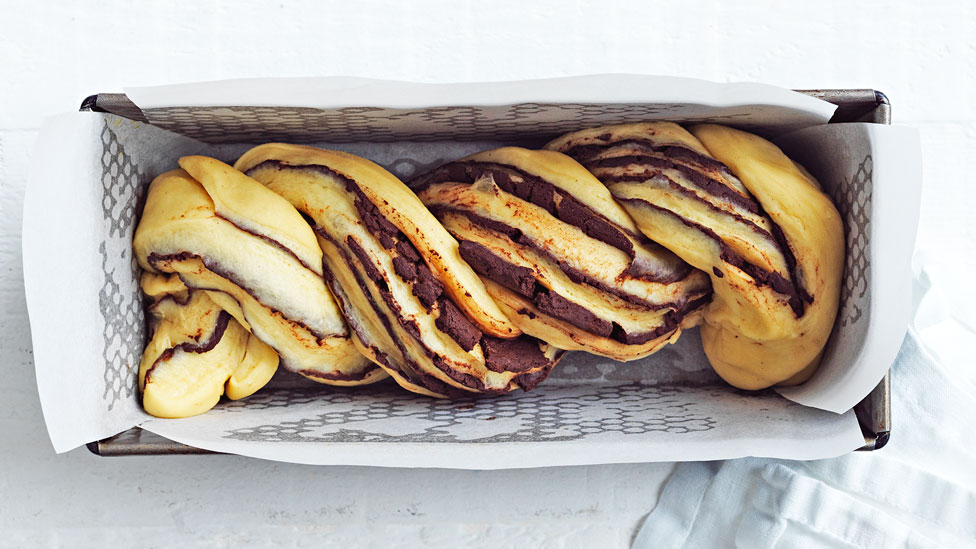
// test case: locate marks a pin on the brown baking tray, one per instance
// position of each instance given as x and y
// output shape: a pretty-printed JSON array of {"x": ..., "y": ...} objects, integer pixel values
[{"x": 873, "y": 412}]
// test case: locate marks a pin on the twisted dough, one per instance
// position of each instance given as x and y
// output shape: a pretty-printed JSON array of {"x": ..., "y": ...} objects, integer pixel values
[
  {"x": 259, "y": 261},
  {"x": 196, "y": 352},
  {"x": 562, "y": 258},
  {"x": 733, "y": 205},
  {"x": 500, "y": 263},
  {"x": 416, "y": 308}
]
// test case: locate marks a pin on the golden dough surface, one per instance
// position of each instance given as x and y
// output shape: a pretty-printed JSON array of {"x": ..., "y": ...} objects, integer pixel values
[
  {"x": 197, "y": 353},
  {"x": 733, "y": 205},
  {"x": 479, "y": 275},
  {"x": 248, "y": 268},
  {"x": 417, "y": 309}
]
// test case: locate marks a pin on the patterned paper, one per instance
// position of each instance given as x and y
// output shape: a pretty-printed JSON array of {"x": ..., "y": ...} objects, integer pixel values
[
  {"x": 668, "y": 406},
  {"x": 123, "y": 185}
]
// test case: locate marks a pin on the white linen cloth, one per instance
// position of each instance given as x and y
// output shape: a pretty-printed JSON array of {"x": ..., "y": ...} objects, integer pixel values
[{"x": 918, "y": 491}]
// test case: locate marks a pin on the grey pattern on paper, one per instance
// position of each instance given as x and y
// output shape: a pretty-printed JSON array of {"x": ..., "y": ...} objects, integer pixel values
[
  {"x": 119, "y": 298},
  {"x": 588, "y": 398},
  {"x": 384, "y": 413},
  {"x": 853, "y": 199},
  {"x": 243, "y": 124}
]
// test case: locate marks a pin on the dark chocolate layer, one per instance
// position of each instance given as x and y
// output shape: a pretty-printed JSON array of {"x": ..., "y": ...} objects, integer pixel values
[
  {"x": 586, "y": 155},
  {"x": 514, "y": 277},
  {"x": 762, "y": 277},
  {"x": 520, "y": 280},
  {"x": 410, "y": 267},
  {"x": 574, "y": 274},
  {"x": 412, "y": 372},
  {"x": 454, "y": 323},
  {"x": 216, "y": 334},
  {"x": 530, "y": 380},
  {"x": 218, "y": 269},
  {"x": 558, "y": 306},
  {"x": 521, "y": 354},
  {"x": 702, "y": 181},
  {"x": 535, "y": 190}
]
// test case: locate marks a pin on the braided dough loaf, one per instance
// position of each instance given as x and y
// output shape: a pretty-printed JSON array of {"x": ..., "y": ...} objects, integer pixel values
[
  {"x": 612, "y": 241},
  {"x": 196, "y": 352},
  {"x": 733, "y": 205},
  {"x": 258, "y": 259},
  {"x": 415, "y": 307},
  {"x": 563, "y": 259}
]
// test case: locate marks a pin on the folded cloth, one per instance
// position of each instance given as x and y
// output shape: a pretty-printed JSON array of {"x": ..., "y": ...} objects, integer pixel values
[{"x": 920, "y": 491}]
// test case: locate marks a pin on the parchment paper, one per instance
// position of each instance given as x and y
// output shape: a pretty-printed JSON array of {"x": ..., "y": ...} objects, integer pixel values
[{"x": 88, "y": 325}]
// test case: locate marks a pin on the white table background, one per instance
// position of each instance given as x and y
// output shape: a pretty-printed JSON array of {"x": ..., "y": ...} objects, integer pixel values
[{"x": 921, "y": 54}]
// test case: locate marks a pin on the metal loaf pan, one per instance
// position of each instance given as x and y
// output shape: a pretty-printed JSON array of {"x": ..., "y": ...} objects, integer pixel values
[{"x": 873, "y": 412}]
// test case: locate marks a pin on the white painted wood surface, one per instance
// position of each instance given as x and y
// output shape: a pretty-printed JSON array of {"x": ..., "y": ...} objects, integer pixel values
[{"x": 53, "y": 55}]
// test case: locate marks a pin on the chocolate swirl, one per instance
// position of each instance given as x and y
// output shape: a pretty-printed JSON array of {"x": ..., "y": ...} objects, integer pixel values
[
  {"x": 733, "y": 205},
  {"x": 481, "y": 274},
  {"x": 563, "y": 258},
  {"x": 226, "y": 234},
  {"x": 415, "y": 307}
]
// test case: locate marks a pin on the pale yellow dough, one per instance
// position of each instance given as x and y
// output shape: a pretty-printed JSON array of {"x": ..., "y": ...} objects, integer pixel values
[
  {"x": 555, "y": 251},
  {"x": 753, "y": 335},
  {"x": 389, "y": 322},
  {"x": 257, "y": 259},
  {"x": 193, "y": 358},
  {"x": 757, "y": 350}
]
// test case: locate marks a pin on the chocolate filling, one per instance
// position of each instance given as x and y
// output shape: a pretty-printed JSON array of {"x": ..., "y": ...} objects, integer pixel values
[
  {"x": 452, "y": 322},
  {"x": 427, "y": 288},
  {"x": 520, "y": 280},
  {"x": 404, "y": 269},
  {"x": 407, "y": 251},
  {"x": 155, "y": 260},
  {"x": 762, "y": 277},
  {"x": 577, "y": 214},
  {"x": 467, "y": 380},
  {"x": 413, "y": 373},
  {"x": 671, "y": 321},
  {"x": 700, "y": 180},
  {"x": 513, "y": 355},
  {"x": 514, "y": 277},
  {"x": 438, "y": 386},
  {"x": 387, "y": 241},
  {"x": 558, "y": 306},
  {"x": 220, "y": 326},
  {"x": 531, "y": 380},
  {"x": 577, "y": 276},
  {"x": 408, "y": 264},
  {"x": 535, "y": 190}
]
